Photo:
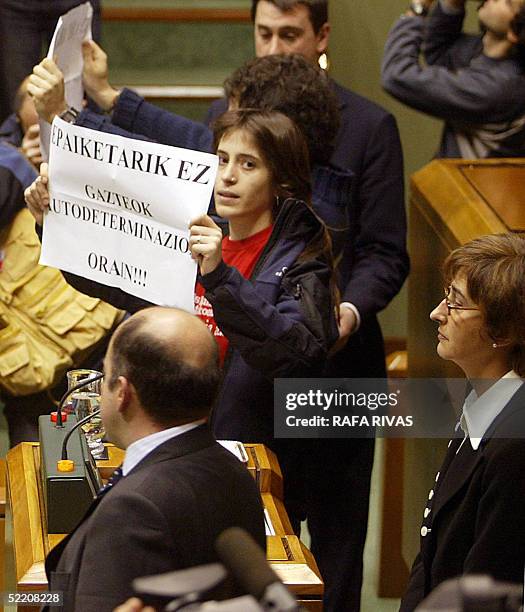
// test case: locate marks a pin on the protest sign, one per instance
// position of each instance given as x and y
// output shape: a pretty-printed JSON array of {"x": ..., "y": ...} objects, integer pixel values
[
  {"x": 66, "y": 49},
  {"x": 119, "y": 212}
]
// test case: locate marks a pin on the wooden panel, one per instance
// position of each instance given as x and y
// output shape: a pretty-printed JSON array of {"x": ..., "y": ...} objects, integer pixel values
[
  {"x": 264, "y": 467},
  {"x": 450, "y": 204},
  {"x": 225, "y": 15},
  {"x": 115, "y": 458},
  {"x": 395, "y": 343},
  {"x": 30, "y": 540},
  {"x": 25, "y": 510},
  {"x": 503, "y": 186},
  {"x": 278, "y": 516},
  {"x": 294, "y": 564}
]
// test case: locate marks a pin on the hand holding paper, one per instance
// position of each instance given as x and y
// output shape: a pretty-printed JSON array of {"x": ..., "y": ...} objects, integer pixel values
[
  {"x": 206, "y": 243},
  {"x": 95, "y": 75},
  {"x": 37, "y": 195},
  {"x": 46, "y": 87}
]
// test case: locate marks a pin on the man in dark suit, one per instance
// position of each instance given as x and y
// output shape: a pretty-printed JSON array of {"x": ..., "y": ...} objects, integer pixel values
[
  {"x": 177, "y": 489},
  {"x": 369, "y": 246}
]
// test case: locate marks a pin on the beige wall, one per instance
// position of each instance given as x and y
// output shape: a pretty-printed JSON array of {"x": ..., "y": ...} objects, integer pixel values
[{"x": 359, "y": 30}]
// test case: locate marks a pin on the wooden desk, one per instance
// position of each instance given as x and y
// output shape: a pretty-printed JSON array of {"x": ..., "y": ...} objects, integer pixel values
[{"x": 27, "y": 541}]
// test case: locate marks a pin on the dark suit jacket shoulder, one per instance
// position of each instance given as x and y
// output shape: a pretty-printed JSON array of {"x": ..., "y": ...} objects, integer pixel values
[
  {"x": 474, "y": 525},
  {"x": 164, "y": 515}
]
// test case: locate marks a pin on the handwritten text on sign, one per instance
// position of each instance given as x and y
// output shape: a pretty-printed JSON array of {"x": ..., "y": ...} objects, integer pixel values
[{"x": 120, "y": 210}]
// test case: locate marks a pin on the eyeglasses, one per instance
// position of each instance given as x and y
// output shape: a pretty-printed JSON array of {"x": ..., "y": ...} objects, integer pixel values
[{"x": 451, "y": 305}]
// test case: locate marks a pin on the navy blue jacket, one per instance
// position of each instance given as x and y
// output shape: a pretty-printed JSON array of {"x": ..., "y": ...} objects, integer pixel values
[
  {"x": 279, "y": 323},
  {"x": 368, "y": 225},
  {"x": 16, "y": 173},
  {"x": 473, "y": 520}
]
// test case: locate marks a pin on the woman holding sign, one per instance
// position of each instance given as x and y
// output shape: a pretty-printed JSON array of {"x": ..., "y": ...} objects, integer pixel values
[{"x": 266, "y": 291}]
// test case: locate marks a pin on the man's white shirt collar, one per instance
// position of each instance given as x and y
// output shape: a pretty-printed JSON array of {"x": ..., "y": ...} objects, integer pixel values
[
  {"x": 480, "y": 412},
  {"x": 136, "y": 451}
]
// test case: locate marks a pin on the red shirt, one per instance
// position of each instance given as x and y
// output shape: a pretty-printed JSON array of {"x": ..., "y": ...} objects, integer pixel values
[{"x": 243, "y": 255}]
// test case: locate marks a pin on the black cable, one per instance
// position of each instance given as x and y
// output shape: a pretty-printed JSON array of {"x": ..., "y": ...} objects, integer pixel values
[
  {"x": 66, "y": 395},
  {"x": 74, "y": 428}
]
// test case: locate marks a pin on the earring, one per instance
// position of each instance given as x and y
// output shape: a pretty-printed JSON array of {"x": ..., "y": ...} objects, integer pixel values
[
  {"x": 277, "y": 201},
  {"x": 494, "y": 345}
]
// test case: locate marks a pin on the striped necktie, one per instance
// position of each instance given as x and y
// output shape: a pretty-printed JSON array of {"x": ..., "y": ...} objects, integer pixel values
[{"x": 114, "y": 478}]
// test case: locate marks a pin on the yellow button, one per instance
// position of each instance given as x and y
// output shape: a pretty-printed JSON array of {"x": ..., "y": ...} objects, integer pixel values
[{"x": 65, "y": 465}]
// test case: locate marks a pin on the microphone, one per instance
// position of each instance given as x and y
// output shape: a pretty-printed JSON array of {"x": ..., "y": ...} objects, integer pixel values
[
  {"x": 74, "y": 428},
  {"x": 248, "y": 565},
  {"x": 65, "y": 397},
  {"x": 69, "y": 487}
]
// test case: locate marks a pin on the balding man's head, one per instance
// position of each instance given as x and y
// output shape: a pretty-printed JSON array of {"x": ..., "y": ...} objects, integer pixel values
[{"x": 171, "y": 359}]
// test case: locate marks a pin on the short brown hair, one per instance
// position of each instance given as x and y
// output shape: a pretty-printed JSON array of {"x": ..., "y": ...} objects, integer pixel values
[
  {"x": 280, "y": 144},
  {"x": 317, "y": 10},
  {"x": 494, "y": 269}
]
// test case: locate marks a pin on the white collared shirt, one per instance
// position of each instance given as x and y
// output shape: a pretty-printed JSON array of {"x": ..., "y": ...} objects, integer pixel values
[
  {"x": 140, "y": 448},
  {"x": 479, "y": 412}
]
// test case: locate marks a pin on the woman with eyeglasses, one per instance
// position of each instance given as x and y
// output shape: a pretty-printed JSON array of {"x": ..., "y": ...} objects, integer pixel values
[{"x": 473, "y": 521}]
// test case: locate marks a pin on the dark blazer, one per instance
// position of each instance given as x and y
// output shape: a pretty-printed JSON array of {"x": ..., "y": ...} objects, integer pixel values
[
  {"x": 474, "y": 524},
  {"x": 164, "y": 515}
]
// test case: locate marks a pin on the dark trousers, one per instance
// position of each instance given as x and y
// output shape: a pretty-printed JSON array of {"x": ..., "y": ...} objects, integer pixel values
[
  {"x": 327, "y": 483},
  {"x": 26, "y": 26},
  {"x": 330, "y": 490}
]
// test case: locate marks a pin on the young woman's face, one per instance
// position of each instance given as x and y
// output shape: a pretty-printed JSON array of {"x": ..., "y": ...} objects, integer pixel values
[{"x": 244, "y": 186}]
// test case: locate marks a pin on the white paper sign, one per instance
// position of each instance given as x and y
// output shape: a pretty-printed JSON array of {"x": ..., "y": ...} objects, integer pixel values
[
  {"x": 66, "y": 48},
  {"x": 120, "y": 210}
]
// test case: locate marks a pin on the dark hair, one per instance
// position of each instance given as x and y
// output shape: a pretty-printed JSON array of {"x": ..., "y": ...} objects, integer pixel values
[
  {"x": 280, "y": 144},
  {"x": 494, "y": 269},
  {"x": 517, "y": 25},
  {"x": 169, "y": 390},
  {"x": 292, "y": 86},
  {"x": 284, "y": 150},
  {"x": 317, "y": 9}
]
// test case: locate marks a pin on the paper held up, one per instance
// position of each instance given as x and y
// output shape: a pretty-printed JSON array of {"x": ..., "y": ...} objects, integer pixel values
[
  {"x": 120, "y": 209},
  {"x": 66, "y": 48}
]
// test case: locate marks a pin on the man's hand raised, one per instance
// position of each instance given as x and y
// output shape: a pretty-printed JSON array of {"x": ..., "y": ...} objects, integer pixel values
[
  {"x": 46, "y": 87},
  {"x": 95, "y": 76}
]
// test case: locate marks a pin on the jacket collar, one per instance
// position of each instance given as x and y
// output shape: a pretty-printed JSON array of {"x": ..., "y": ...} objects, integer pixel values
[
  {"x": 192, "y": 441},
  {"x": 467, "y": 460}
]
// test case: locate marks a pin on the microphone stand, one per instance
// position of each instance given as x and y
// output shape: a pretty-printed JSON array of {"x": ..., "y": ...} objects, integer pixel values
[
  {"x": 74, "y": 428},
  {"x": 66, "y": 395}
]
